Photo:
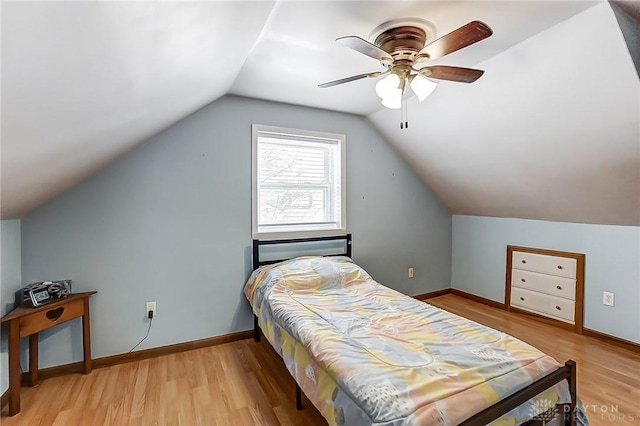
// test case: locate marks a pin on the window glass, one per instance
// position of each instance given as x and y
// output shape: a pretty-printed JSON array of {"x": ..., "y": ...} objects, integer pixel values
[{"x": 298, "y": 184}]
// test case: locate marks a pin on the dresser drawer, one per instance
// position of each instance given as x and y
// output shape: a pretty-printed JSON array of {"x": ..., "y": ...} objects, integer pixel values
[
  {"x": 558, "y": 266},
  {"x": 543, "y": 304},
  {"x": 549, "y": 284}
]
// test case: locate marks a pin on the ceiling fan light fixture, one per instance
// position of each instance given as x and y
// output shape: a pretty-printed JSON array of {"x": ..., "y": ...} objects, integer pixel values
[
  {"x": 402, "y": 44},
  {"x": 393, "y": 103},
  {"x": 422, "y": 86},
  {"x": 388, "y": 87}
]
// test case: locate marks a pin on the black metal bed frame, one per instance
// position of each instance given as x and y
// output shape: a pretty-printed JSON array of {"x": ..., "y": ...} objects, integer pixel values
[
  {"x": 259, "y": 243},
  {"x": 567, "y": 372}
]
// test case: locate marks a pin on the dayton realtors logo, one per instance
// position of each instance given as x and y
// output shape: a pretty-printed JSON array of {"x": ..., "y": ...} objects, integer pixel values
[
  {"x": 610, "y": 413},
  {"x": 544, "y": 410}
]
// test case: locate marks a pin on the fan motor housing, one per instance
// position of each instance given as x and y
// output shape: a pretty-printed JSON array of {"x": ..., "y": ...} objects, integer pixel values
[{"x": 402, "y": 43}]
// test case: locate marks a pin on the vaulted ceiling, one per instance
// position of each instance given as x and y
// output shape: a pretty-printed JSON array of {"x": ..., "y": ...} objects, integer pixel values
[{"x": 551, "y": 131}]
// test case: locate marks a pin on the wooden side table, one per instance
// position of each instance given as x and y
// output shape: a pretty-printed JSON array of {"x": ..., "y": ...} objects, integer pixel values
[{"x": 25, "y": 321}]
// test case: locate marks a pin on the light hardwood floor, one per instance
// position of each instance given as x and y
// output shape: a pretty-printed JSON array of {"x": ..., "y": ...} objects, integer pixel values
[{"x": 245, "y": 383}]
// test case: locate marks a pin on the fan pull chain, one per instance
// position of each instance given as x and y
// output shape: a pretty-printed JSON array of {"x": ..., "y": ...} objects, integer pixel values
[
  {"x": 404, "y": 120},
  {"x": 406, "y": 114}
]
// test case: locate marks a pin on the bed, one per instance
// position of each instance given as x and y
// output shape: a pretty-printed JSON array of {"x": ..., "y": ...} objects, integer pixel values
[{"x": 364, "y": 354}]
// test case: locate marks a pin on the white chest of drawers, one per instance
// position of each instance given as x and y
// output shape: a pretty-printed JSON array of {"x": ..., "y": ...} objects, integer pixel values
[{"x": 546, "y": 283}]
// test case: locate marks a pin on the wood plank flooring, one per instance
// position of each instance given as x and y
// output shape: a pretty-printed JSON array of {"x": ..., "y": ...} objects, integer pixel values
[
  {"x": 246, "y": 383},
  {"x": 608, "y": 376}
]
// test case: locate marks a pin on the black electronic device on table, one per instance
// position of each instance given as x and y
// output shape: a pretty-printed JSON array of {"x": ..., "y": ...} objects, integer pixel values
[{"x": 41, "y": 293}]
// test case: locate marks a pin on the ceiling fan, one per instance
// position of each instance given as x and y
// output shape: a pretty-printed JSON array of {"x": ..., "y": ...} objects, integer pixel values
[{"x": 400, "y": 45}]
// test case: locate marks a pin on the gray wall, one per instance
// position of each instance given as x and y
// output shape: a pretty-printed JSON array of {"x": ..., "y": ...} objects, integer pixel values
[
  {"x": 612, "y": 263},
  {"x": 625, "y": 11},
  {"x": 171, "y": 222},
  {"x": 10, "y": 281}
]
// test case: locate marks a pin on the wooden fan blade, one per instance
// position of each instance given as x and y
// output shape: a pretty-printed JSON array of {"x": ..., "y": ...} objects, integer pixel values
[
  {"x": 363, "y": 46},
  {"x": 444, "y": 72},
  {"x": 464, "y": 36},
  {"x": 352, "y": 78}
]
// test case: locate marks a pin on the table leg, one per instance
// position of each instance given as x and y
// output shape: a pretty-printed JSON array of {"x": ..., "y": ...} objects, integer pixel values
[
  {"x": 86, "y": 337},
  {"x": 14, "y": 367},
  {"x": 33, "y": 359}
]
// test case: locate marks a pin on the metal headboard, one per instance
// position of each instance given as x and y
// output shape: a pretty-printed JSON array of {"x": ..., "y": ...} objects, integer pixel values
[{"x": 258, "y": 243}]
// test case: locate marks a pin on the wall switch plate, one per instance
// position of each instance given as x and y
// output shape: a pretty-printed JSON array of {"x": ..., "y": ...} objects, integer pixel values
[
  {"x": 410, "y": 272},
  {"x": 150, "y": 306},
  {"x": 608, "y": 298}
]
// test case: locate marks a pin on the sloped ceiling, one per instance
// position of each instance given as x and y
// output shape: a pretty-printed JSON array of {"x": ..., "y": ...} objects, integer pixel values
[
  {"x": 85, "y": 82},
  {"x": 551, "y": 131},
  {"x": 297, "y": 49}
]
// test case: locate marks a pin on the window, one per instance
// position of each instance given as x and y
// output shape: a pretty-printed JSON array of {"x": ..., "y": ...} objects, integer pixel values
[{"x": 298, "y": 183}]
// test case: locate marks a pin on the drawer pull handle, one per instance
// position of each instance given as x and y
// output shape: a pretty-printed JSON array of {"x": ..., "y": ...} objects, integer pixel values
[
  {"x": 558, "y": 308},
  {"x": 54, "y": 314},
  {"x": 522, "y": 298},
  {"x": 524, "y": 261},
  {"x": 523, "y": 280},
  {"x": 559, "y": 287},
  {"x": 559, "y": 266}
]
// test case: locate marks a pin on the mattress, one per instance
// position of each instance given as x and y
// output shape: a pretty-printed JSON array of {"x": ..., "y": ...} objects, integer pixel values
[{"x": 365, "y": 354}]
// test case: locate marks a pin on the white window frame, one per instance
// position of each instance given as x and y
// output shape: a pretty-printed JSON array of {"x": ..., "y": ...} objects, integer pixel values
[{"x": 293, "y": 232}]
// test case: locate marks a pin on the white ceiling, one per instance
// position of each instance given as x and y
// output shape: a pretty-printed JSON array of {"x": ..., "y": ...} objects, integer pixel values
[
  {"x": 550, "y": 132},
  {"x": 85, "y": 82},
  {"x": 297, "y": 49}
]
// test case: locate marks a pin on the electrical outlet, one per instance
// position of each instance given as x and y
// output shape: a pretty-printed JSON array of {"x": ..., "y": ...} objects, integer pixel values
[
  {"x": 608, "y": 298},
  {"x": 410, "y": 272},
  {"x": 150, "y": 307}
]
